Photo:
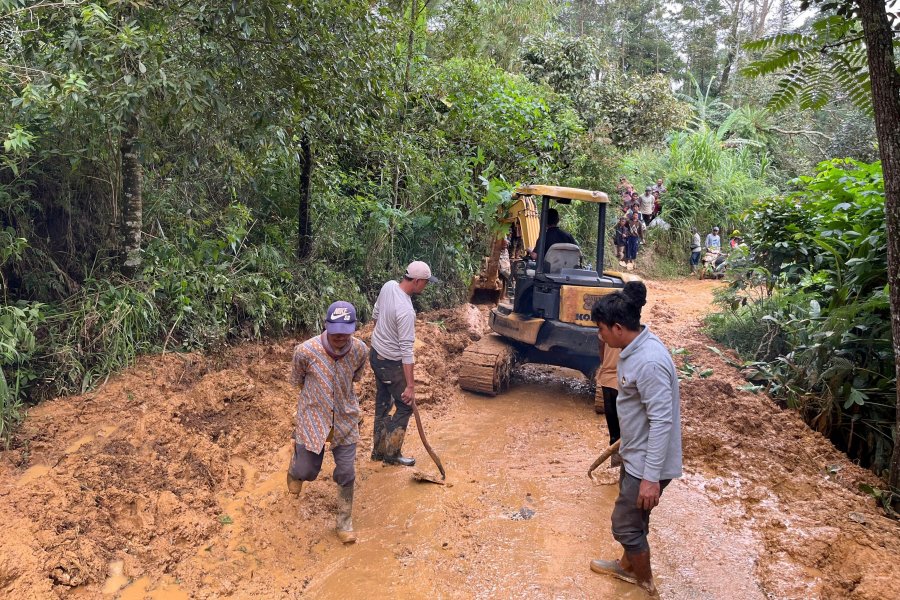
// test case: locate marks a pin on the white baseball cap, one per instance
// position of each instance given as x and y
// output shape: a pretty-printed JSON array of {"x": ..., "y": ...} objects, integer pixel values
[{"x": 420, "y": 270}]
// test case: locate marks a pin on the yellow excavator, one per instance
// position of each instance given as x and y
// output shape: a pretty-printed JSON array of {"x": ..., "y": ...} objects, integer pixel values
[{"x": 548, "y": 318}]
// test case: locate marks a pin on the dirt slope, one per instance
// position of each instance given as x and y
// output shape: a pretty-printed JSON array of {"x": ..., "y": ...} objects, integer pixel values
[{"x": 167, "y": 482}]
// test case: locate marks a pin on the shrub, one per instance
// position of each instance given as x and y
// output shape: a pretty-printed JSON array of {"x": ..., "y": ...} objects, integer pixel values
[{"x": 819, "y": 256}]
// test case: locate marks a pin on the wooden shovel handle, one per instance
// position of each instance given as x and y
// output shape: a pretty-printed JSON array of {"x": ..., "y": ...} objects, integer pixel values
[
  {"x": 425, "y": 443},
  {"x": 606, "y": 454}
]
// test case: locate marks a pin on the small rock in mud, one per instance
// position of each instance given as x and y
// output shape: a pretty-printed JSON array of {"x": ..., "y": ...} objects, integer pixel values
[
  {"x": 523, "y": 514},
  {"x": 858, "y": 518}
]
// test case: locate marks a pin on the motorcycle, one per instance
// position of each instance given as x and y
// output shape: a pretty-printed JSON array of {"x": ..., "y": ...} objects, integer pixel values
[{"x": 713, "y": 265}]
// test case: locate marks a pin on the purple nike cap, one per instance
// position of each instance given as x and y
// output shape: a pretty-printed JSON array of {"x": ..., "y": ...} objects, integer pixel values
[{"x": 340, "y": 318}]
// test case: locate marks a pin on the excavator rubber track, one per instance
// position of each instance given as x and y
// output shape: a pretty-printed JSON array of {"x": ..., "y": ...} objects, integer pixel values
[{"x": 486, "y": 365}]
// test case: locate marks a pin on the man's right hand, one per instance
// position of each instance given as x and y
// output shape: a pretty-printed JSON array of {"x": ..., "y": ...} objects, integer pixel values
[{"x": 409, "y": 395}]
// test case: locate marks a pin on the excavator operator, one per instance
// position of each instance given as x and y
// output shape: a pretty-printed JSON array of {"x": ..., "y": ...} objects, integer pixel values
[{"x": 554, "y": 234}]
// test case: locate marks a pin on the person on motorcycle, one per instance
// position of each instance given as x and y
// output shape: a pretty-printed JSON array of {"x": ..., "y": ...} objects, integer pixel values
[{"x": 736, "y": 239}]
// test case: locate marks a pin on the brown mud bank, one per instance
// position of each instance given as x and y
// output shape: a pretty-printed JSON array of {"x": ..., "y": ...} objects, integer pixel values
[{"x": 168, "y": 482}]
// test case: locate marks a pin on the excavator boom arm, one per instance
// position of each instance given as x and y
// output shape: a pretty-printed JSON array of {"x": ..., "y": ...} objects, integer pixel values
[{"x": 524, "y": 212}]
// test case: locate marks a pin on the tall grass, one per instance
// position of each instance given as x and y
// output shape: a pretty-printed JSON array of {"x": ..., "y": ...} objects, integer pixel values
[
  {"x": 710, "y": 179},
  {"x": 18, "y": 344},
  {"x": 208, "y": 283}
]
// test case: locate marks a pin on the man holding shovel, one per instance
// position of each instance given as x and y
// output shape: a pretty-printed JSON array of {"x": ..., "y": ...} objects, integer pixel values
[
  {"x": 393, "y": 362},
  {"x": 325, "y": 367},
  {"x": 649, "y": 411}
]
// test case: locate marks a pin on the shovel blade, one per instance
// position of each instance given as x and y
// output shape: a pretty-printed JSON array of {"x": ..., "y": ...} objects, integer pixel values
[{"x": 423, "y": 477}]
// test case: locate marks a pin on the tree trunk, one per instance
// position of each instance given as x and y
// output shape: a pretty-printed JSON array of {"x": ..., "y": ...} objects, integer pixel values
[
  {"x": 886, "y": 104},
  {"x": 760, "y": 18},
  {"x": 415, "y": 9},
  {"x": 733, "y": 46},
  {"x": 132, "y": 176},
  {"x": 304, "y": 228}
]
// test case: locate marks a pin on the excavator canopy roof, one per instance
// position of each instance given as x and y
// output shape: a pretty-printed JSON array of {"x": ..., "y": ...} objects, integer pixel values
[{"x": 562, "y": 192}]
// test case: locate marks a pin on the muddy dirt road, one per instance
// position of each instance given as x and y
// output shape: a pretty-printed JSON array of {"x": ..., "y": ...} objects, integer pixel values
[{"x": 168, "y": 482}]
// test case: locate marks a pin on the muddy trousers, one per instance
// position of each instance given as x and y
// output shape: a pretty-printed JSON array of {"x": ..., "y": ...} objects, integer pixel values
[
  {"x": 390, "y": 429},
  {"x": 630, "y": 524},
  {"x": 305, "y": 464}
]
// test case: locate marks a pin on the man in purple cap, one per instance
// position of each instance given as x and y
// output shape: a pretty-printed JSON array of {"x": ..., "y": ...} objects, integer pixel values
[
  {"x": 393, "y": 362},
  {"x": 325, "y": 367}
]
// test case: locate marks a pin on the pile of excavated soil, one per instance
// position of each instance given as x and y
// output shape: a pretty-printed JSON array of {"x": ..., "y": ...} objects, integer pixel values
[
  {"x": 137, "y": 472},
  {"x": 441, "y": 336},
  {"x": 771, "y": 473}
]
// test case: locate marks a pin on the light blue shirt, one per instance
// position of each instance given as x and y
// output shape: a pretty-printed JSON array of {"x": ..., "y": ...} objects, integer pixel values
[{"x": 649, "y": 409}]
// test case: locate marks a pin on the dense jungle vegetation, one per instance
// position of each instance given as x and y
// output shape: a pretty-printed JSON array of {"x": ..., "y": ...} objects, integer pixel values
[{"x": 177, "y": 176}]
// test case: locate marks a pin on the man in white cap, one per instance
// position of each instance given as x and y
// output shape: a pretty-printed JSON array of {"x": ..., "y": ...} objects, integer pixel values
[
  {"x": 393, "y": 361},
  {"x": 326, "y": 366}
]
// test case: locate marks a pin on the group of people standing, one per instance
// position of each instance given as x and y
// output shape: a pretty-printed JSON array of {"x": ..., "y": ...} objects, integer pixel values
[
  {"x": 637, "y": 212},
  {"x": 713, "y": 245}
]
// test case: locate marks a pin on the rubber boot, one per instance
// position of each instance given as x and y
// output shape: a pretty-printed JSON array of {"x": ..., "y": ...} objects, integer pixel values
[
  {"x": 393, "y": 444},
  {"x": 295, "y": 486},
  {"x": 640, "y": 565},
  {"x": 344, "y": 521},
  {"x": 378, "y": 439},
  {"x": 613, "y": 568}
]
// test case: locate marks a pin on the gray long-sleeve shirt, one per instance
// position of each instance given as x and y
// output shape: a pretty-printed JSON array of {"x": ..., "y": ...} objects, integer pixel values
[
  {"x": 395, "y": 324},
  {"x": 649, "y": 408}
]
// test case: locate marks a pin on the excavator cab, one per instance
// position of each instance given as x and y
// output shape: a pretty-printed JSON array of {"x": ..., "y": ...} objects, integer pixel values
[{"x": 548, "y": 319}]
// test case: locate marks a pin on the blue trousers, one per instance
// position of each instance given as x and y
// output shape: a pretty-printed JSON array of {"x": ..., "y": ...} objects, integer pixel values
[{"x": 631, "y": 247}]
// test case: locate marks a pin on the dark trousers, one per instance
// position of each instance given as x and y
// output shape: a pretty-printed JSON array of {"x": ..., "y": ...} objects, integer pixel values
[
  {"x": 695, "y": 258},
  {"x": 647, "y": 218},
  {"x": 630, "y": 524},
  {"x": 390, "y": 381},
  {"x": 305, "y": 464},
  {"x": 631, "y": 247},
  {"x": 612, "y": 417}
]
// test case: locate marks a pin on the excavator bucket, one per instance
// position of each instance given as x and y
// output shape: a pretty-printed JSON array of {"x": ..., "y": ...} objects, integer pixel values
[
  {"x": 486, "y": 297},
  {"x": 486, "y": 286},
  {"x": 483, "y": 296}
]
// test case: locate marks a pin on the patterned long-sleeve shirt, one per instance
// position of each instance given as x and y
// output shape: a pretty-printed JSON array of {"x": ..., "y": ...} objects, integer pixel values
[{"x": 327, "y": 400}]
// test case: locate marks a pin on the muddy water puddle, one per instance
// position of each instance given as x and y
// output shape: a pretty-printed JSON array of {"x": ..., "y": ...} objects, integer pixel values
[
  {"x": 519, "y": 520},
  {"x": 523, "y": 453}
]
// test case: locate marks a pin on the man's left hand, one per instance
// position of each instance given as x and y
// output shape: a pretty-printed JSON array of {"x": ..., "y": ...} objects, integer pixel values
[{"x": 648, "y": 495}]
